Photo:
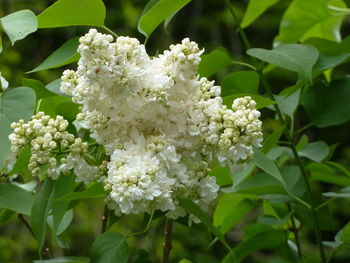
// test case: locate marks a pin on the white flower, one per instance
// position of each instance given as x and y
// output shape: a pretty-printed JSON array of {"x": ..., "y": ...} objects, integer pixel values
[
  {"x": 3, "y": 83},
  {"x": 161, "y": 124}
]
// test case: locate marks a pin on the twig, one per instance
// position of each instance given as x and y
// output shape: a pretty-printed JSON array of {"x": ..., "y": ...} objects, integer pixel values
[
  {"x": 167, "y": 242},
  {"x": 24, "y": 221},
  {"x": 295, "y": 231},
  {"x": 105, "y": 218},
  {"x": 109, "y": 31},
  {"x": 45, "y": 253}
]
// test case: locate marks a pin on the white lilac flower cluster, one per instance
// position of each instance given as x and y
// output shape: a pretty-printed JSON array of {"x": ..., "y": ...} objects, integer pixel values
[
  {"x": 48, "y": 140},
  {"x": 162, "y": 126}
]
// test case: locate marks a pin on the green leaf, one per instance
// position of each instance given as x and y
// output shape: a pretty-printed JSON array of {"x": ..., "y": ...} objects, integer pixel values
[
  {"x": 38, "y": 87},
  {"x": 68, "y": 110},
  {"x": 22, "y": 162},
  {"x": 255, "y": 229},
  {"x": 94, "y": 191},
  {"x": 272, "y": 140},
  {"x": 316, "y": 151},
  {"x": 64, "y": 55},
  {"x": 327, "y": 105},
  {"x": 6, "y": 215},
  {"x": 289, "y": 103},
  {"x": 323, "y": 173},
  {"x": 213, "y": 62},
  {"x": 230, "y": 209},
  {"x": 15, "y": 104},
  {"x": 54, "y": 86},
  {"x": 15, "y": 198},
  {"x": 40, "y": 210},
  {"x": 343, "y": 234},
  {"x": 157, "y": 13},
  {"x": 344, "y": 193},
  {"x": 64, "y": 185},
  {"x": 332, "y": 53},
  {"x": 142, "y": 256},
  {"x": 64, "y": 223},
  {"x": 19, "y": 24},
  {"x": 110, "y": 247},
  {"x": 240, "y": 82},
  {"x": 194, "y": 209},
  {"x": 299, "y": 23},
  {"x": 294, "y": 57},
  {"x": 64, "y": 260},
  {"x": 73, "y": 13},
  {"x": 222, "y": 175},
  {"x": 255, "y": 9},
  {"x": 261, "y": 102},
  {"x": 48, "y": 105},
  {"x": 269, "y": 240},
  {"x": 267, "y": 165},
  {"x": 294, "y": 182},
  {"x": 325, "y": 217},
  {"x": 259, "y": 184}
]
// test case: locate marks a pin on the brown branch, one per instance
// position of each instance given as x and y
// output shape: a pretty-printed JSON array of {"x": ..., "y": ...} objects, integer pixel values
[{"x": 167, "y": 242}]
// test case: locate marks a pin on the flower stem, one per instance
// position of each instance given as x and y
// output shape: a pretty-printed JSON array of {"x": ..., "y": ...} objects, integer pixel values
[
  {"x": 105, "y": 218},
  {"x": 167, "y": 242},
  {"x": 109, "y": 31}
]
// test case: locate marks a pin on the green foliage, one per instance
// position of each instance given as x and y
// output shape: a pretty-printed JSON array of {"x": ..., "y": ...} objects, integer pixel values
[
  {"x": 255, "y": 9},
  {"x": 240, "y": 82},
  {"x": 73, "y": 13},
  {"x": 326, "y": 104},
  {"x": 110, "y": 247},
  {"x": 155, "y": 12},
  {"x": 15, "y": 104},
  {"x": 15, "y": 198},
  {"x": 19, "y": 24},
  {"x": 64, "y": 55},
  {"x": 280, "y": 205},
  {"x": 40, "y": 211},
  {"x": 294, "y": 57},
  {"x": 298, "y": 23},
  {"x": 213, "y": 62}
]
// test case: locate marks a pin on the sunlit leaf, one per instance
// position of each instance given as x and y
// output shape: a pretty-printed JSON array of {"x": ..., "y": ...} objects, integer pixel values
[
  {"x": 299, "y": 23},
  {"x": 255, "y": 9},
  {"x": 157, "y": 12},
  {"x": 213, "y": 62},
  {"x": 240, "y": 82},
  {"x": 19, "y": 24},
  {"x": 294, "y": 57},
  {"x": 72, "y": 13}
]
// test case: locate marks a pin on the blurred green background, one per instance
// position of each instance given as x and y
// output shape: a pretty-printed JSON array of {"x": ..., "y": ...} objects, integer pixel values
[{"x": 209, "y": 23}]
